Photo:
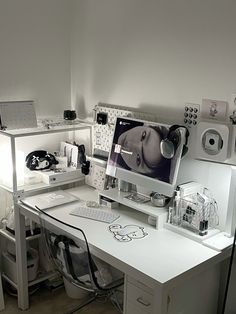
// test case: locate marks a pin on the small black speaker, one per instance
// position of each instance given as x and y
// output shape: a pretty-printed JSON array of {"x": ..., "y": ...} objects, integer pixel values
[{"x": 69, "y": 114}]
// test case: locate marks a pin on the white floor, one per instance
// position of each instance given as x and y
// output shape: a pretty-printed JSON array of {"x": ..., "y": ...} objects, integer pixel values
[{"x": 57, "y": 302}]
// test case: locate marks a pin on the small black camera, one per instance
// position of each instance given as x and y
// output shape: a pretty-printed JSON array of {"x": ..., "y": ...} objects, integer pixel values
[{"x": 69, "y": 114}]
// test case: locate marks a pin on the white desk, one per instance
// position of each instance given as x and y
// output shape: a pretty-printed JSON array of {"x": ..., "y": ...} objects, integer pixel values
[{"x": 175, "y": 274}]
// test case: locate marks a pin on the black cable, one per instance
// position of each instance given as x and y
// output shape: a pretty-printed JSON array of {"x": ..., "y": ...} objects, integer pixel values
[{"x": 229, "y": 273}]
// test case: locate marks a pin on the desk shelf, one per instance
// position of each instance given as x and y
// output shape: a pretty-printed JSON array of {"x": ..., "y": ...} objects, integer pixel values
[
  {"x": 159, "y": 213},
  {"x": 146, "y": 208}
]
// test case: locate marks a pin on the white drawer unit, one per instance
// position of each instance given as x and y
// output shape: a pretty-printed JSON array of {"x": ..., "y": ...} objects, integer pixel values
[
  {"x": 139, "y": 298},
  {"x": 133, "y": 309}
]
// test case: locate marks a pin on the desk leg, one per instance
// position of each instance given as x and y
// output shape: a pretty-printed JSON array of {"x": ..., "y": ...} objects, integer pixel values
[
  {"x": 21, "y": 260},
  {"x": 160, "y": 303}
]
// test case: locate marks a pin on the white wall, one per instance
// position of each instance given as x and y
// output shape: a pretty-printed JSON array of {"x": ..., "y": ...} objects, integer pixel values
[
  {"x": 156, "y": 54},
  {"x": 35, "y": 53},
  {"x": 35, "y": 59}
]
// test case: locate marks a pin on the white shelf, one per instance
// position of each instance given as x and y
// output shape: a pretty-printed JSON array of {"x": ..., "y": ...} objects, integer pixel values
[
  {"x": 147, "y": 208},
  {"x": 40, "y": 278},
  {"x": 9, "y": 280},
  {"x": 40, "y": 186},
  {"x": 11, "y": 236},
  {"x": 44, "y": 130}
]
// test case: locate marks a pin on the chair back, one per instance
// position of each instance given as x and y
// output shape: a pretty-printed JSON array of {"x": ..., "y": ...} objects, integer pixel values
[{"x": 69, "y": 251}]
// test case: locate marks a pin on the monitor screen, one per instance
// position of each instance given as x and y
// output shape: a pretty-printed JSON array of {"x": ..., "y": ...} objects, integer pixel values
[{"x": 136, "y": 156}]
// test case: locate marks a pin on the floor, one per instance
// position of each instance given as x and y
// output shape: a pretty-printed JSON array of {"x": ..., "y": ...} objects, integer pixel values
[{"x": 57, "y": 302}]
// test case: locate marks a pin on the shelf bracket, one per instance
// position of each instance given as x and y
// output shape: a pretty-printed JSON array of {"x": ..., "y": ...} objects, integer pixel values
[{"x": 18, "y": 195}]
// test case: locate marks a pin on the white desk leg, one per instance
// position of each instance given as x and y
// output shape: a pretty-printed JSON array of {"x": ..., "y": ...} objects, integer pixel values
[{"x": 21, "y": 261}]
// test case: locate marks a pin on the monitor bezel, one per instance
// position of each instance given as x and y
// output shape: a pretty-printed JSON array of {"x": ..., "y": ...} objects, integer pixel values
[{"x": 146, "y": 182}]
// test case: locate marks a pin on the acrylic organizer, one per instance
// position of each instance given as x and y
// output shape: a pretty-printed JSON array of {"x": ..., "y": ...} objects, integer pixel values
[{"x": 195, "y": 213}]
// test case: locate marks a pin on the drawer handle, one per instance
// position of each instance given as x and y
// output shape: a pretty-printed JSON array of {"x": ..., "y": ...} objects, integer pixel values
[{"x": 143, "y": 302}]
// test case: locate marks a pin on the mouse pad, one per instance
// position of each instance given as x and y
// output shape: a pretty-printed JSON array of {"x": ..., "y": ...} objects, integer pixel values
[{"x": 127, "y": 233}]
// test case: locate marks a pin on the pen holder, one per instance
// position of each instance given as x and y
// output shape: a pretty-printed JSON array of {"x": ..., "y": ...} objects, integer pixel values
[{"x": 196, "y": 216}]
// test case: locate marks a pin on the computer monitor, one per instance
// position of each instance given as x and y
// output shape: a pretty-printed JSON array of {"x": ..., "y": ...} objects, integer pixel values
[{"x": 136, "y": 155}]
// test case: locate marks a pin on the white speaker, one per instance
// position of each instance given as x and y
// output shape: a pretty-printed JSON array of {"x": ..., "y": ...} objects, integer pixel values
[{"x": 212, "y": 141}]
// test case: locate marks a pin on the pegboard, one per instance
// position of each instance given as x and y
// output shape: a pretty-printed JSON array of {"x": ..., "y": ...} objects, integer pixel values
[{"x": 103, "y": 134}]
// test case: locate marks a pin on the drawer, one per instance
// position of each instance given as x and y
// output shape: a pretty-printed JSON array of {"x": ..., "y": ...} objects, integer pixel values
[
  {"x": 139, "y": 299},
  {"x": 139, "y": 285},
  {"x": 133, "y": 309}
]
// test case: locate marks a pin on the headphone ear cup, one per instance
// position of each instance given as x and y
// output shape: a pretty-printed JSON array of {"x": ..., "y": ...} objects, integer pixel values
[
  {"x": 169, "y": 144},
  {"x": 82, "y": 157},
  {"x": 174, "y": 137},
  {"x": 85, "y": 164},
  {"x": 167, "y": 148},
  {"x": 85, "y": 167}
]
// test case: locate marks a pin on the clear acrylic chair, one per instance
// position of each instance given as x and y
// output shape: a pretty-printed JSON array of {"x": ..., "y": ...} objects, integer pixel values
[{"x": 69, "y": 250}]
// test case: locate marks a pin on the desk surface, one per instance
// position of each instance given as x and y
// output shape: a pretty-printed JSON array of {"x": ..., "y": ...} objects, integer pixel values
[{"x": 162, "y": 255}]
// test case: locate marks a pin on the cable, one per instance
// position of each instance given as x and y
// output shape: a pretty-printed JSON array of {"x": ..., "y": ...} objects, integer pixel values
[{"x": 229, "y": 273}]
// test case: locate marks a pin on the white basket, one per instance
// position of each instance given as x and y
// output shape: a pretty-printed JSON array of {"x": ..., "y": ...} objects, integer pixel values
[
  {"x": 74, "y": 292},
  {"x": 9, "y": 265}
]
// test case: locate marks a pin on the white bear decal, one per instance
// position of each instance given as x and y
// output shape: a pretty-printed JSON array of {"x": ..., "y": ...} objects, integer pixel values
[{"x": 127, "y": 233}]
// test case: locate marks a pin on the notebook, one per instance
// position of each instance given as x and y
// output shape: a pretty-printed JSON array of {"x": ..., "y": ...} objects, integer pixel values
[{"x": 48, "y": 200}]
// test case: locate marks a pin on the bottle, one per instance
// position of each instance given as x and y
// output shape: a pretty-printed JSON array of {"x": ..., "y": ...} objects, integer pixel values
[{"x": 177, "y": 211}]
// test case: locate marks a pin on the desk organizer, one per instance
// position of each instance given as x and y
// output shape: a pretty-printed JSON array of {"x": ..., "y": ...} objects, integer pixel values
[{"x": 196, "y": 215}]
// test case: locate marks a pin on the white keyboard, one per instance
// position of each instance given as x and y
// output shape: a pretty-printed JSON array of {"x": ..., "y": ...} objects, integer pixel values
[{"x": 95, "y": 214}]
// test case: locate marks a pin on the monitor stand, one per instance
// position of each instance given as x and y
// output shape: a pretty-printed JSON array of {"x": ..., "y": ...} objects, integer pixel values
[
  {"x": 137, "y": 194},
  {"x": 138, "y": 198},
  {"x": 129, "y": 199}
]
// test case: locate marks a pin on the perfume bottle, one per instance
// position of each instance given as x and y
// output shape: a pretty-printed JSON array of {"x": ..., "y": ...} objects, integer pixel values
[{"x": 176, "y": 217}]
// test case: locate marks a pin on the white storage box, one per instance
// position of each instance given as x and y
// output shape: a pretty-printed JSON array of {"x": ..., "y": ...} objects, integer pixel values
[
  {"x": 68, "y": 174},
  {"x": 9, "y": 265}
]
